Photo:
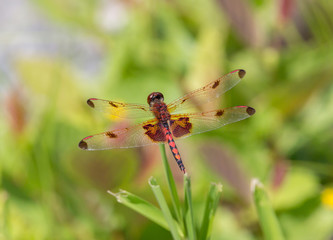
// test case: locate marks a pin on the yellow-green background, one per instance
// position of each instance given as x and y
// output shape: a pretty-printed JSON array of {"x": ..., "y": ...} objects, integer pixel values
[{"x": 55, "y": 54}]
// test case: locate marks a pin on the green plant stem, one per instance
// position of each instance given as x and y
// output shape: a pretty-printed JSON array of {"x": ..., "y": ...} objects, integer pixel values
[
  {"x": 141, "y": 206},
  {"x": 165, "y": 209},
  {"x": 267, "y": 218},
  {"x": 188, "y": 210},
  {"x": 210, "y": 209},
  {"x": 171, "y": 184}
]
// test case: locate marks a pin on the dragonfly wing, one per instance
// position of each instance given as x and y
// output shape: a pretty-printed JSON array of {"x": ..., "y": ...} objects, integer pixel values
[
  {"x": 147, "y": 133},
  {"x": 123, "y": 110},
  {"x": 207, "y": 93},
  {"x": 185, "y": 125}
]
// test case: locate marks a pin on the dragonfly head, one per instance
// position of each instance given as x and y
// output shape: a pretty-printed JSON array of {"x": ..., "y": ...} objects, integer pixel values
[{"x": 155, "y": 97}]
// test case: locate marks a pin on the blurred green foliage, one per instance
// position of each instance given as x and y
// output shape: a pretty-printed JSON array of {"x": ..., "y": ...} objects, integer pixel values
[{"x": 50, "y": 189}]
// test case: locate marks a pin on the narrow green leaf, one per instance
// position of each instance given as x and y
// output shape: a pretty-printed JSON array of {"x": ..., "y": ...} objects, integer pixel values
[
  {"x": 141, "y": 206},
  {"x": 171, "y": 184},
  {"x": 188, "y": 211},
  {"x": 267, "y": 218},
  {"x": 173, "y": 225},
  {"x": 210, "y": 209}
]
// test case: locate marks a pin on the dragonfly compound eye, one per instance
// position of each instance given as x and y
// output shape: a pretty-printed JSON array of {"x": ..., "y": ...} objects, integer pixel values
[{"x": 155, "y": 96}]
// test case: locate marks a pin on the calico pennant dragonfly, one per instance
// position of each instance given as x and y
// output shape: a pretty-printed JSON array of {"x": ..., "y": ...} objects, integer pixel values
[{"x": 169, "y": 122}]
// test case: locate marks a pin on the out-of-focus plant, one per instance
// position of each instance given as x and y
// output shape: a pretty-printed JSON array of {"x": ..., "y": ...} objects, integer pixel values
[
  {"x": 179, "y": 220},
  {"x": 54, "y": 54}
]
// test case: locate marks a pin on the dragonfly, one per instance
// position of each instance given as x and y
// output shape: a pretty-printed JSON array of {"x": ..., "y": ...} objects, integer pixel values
[{"x": 167, "y": 122}]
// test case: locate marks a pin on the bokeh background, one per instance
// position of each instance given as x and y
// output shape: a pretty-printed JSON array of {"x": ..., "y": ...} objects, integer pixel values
[{"x": 55, "y": 54}]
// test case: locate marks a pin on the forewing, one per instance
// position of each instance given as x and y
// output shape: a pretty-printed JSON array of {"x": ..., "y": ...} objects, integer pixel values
[
  {"x": 123, "y": 110},
  {"x": 207, "y": 93},
  {"x": 185, "y": 125},
  {"x": 146, "y": 133}
]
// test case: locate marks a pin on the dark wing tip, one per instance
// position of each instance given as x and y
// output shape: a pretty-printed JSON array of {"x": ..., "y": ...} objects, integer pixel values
[
  {"x": 250, "y": 111},
  {"x": 241, "y": 73},
  {"x": 90, "y": 103},
  {"x": 83, "y": 145}
]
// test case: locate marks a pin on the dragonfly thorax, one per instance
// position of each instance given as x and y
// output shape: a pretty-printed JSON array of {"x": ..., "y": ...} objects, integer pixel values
[{"x": 160, "y": 111}]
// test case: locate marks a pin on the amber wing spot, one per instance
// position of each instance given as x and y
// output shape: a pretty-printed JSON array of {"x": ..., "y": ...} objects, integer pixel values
[
  {"x": 90, "y": 103},
  {"x": 110, "y": 134},
  {"x": 216, "y": 83},
  {"x": 113, "y": 104},
  {"x": 250, "y": 110},
  {"x": 154, "y": 132},
  {"x": 241, "y": 73},
  {"x": 181, "y": 127},
  {"x": 219, "y": 113},
  {"x": 83, "y": 145}
]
